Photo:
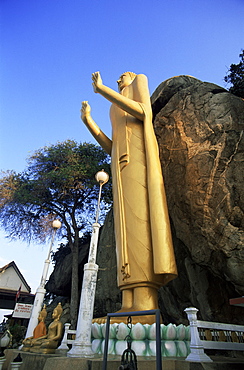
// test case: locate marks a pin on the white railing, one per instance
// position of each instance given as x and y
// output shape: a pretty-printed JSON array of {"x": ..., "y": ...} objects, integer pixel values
[
  {"x": 212, "y": 335},
  {"x": 66, "y": 340}
]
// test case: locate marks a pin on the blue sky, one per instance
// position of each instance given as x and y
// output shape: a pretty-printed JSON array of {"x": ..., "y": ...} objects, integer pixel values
[{"x": 49, "y": 48}]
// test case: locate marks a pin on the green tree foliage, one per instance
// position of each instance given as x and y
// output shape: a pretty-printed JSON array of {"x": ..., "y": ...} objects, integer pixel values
[
  {"x": 235, "y": 77},
  {"x": 59, "y": 182}
]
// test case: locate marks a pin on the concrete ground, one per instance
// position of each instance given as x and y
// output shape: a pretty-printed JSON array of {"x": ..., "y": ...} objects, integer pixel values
[{"x": 53, "y": 362}]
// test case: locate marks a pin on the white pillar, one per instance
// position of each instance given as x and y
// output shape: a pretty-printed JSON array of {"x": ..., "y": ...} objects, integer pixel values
[
  {"x": 82, "y": 344},
  {"x": 16, "y": 365},
  {"x": 2, "y": 360},
  {"x": 197, "y": 350},
  {"x": 40, "y": 293},
  {"x": 37, "y": 306}
]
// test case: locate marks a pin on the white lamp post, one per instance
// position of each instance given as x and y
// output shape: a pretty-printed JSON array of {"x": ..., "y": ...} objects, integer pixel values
[
  {"x": 82, "y": 343},
  {"x": 39, "y": 297}
]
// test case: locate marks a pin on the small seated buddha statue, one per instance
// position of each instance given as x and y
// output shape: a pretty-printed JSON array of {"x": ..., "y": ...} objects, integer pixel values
[
  {"x": 48, "y": 343},
  {"x": 39, "y": 331}
]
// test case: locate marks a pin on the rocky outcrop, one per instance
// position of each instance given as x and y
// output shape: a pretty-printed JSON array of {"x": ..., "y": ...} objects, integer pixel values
[
  {"x": 59, "y": 282},
  {"x": 108, "y": 295},
  {"x": 199, "y": 128}
]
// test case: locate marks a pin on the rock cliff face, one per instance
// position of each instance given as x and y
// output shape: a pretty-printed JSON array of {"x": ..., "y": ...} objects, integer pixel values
[
  {"x": 199, "y": 127},
  {"x": 59, "y": 282}
]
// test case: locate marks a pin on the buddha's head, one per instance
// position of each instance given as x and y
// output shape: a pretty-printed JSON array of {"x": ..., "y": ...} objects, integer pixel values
[
  {"x": 125, "y": 79},
  {"x": 57, "y": 312},
  {"x": 43, "y": 314}
]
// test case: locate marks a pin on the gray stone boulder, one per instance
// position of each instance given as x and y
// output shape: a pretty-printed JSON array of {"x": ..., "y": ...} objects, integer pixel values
[
  {"x": 199, "y": 127},
  {"x": 59, "y": 282}
]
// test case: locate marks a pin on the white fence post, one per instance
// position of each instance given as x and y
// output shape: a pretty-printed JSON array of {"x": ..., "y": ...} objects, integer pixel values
[
  {"x": 64, "y": 343},
  {"x": 197, "y": 351}
]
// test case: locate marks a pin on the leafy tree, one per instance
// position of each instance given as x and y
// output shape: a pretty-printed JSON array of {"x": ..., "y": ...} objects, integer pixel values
[
  {"x": 59, "y": 183},
  {"x": 235, "y": 77}
]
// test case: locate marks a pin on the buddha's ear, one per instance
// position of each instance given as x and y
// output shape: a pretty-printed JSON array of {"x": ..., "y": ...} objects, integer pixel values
[{"x": 141, "y": 91}]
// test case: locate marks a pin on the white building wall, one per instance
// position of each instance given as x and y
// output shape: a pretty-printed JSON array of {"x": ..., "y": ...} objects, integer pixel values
[{"x": 10, "y": 280}]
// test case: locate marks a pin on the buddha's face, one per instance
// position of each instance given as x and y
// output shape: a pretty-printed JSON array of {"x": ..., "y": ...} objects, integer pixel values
[
  {"x": 55, "y": 314},
  {"x": 124, "y": 80}
]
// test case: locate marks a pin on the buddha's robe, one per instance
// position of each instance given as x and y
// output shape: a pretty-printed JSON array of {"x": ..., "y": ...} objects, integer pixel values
[
  {"x": 145, "y": 255},
  {"x": 40, "y": 330}
]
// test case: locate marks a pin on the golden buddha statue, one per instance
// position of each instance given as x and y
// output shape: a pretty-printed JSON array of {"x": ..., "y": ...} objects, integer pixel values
[
  {"x": 49, "y": 342},
  {"x": 145, "y": 255},
  {"x": 39, "y": 331}
]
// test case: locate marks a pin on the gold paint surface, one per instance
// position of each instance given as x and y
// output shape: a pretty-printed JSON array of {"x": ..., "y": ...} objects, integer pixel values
[
  {"x": 145, "y": 255},
  {"x": 49, "y": 342}
]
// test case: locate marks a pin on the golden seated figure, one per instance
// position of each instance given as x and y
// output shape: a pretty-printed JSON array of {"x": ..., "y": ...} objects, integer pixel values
[
  {"x": 39, "y": 331},
  {"x": 48, "y": 343}
]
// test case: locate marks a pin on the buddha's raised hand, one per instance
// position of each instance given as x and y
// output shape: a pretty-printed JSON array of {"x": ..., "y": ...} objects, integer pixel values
[
  {"x": 97, "y": 81},
  {"x": 85, "y": 110}
]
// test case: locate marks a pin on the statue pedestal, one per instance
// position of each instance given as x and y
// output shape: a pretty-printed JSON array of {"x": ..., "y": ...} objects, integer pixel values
[{"x": 175, "y": 341}]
